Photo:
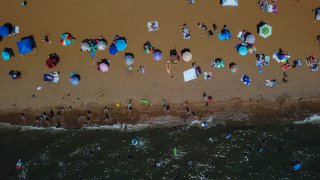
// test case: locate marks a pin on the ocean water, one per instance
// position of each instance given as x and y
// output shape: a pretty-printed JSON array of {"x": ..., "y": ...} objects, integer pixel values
[{"x": 188, "y": 152}]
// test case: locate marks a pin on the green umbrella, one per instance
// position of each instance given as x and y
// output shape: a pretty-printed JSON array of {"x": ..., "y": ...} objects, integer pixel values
[{"x": 265, "y": 30}]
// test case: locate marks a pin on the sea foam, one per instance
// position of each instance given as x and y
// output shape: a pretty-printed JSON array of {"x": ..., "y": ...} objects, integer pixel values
[{"x": 314, "y": 119}]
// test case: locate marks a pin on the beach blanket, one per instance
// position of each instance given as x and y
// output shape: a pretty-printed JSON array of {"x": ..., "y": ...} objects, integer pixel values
[
  {"x": 186, "y": 33},
  {"x": 51, "y": 77},
  {"x": 271, "y": 83},
  {"x": 189, "y": 74},
  {"x": 153, "y": 26},
  {"x": 282, "y": 60}
]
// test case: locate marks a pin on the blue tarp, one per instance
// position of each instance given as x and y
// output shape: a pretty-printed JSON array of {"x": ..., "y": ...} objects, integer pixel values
[
  {"x": 24, "y": 46},
  {"x": 4, "y": 31}
]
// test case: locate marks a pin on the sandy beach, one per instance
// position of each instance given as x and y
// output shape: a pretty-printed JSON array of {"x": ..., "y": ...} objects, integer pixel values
[{"x": 294, "y": 30}]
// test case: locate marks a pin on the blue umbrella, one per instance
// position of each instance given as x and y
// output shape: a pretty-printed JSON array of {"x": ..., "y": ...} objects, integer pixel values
[
  {"x": 129, "y": 59},
  {"x": 243, "y": 50},
  {"x": 226, "y": 34},
  {"x": 24, "y": 46},
  {"x": 157, "y": 55},
  {"x": 113, "y": 50},
  {"x": 6, "y": 55},
  {"x": 121, "y": 44},
  {"x": 74, "y": 80}
]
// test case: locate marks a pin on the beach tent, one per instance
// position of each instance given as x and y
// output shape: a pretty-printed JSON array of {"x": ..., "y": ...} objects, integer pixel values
[
  {"x": 157, "y": 55},
  {"x": 4, "y": 31},
  {"x": 121, "y": 44},
  {"x": 265, "y": 30},
  {"x": 24, "y": 46},
  {"x": 189, "y": 74},
  {"x": 229, "y": 2},
  {"x": 113, "y": 50}
]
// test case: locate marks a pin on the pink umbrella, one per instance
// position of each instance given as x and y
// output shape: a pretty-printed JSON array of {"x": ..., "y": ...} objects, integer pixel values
[{"x": 103, "y": 67}]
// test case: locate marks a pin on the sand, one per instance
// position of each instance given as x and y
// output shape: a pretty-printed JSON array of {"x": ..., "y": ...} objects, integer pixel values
[{"x": 294, "y": 30}]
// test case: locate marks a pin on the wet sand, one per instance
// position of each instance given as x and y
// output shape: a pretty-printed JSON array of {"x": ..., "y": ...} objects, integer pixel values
[{"x": 294, "y": 30}]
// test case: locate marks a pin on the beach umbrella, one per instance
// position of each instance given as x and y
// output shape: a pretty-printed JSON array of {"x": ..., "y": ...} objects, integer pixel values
[
  {"x": 218, "y": 63},
  {"x": 242, "y": 50},
  {"x": 129, "y": 59},
  {"x": 52, "y": 62},
  {"x": 147, "y": 48},
  {"x": 250, "y": 39},
  {"x": 66, "y": 39},
  {"x": 157, "y": 55},
  {"x": 74, "y": 80},
  {"x": 187, "y": 56},
  {"x": 101, "y": 45},
  {"x": 5, "y": 55},
  {"x": 246, "y": 80},
  {"x": 234, "y": 68},
  {"x": 265, "y": 30},
  {"x": 251, "y": 49},
  {"x": 113, "y": 50},
  {"x": 84, "y": 46},
  {"x": 103, "y": 67},
  {"x": 121, "y": 44}
]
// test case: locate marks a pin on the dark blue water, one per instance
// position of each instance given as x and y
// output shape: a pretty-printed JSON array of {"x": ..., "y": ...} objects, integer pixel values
[{"x": 255, "y": 152}]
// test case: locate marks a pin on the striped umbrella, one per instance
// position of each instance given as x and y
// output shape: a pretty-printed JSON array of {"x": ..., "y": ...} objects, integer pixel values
[
  {"x": 234, "y": 67},
  {"x": 66, "y": 39}
]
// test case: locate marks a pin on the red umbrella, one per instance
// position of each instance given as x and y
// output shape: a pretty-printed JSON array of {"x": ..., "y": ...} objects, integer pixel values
[{"x": 52, "y": 62}]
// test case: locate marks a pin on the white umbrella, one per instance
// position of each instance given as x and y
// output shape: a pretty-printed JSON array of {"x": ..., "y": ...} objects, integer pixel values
[
  {"x": 102, "y": 45},
  {"x": 187, "y": 56},
  {"x": 103, "y": 67},
  {"x": 84, "y": 46}
]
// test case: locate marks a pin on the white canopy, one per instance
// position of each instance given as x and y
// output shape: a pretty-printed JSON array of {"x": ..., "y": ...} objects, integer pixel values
[
  {"x": 189, "y": 74},
  {"x": 230, "y": 2}
]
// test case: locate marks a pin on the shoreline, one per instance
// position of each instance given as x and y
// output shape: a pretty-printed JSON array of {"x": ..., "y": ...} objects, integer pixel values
[{"x": 233, "y": 112}]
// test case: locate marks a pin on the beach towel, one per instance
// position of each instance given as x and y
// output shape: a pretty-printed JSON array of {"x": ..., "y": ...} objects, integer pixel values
[
  {"x": 271, "y": 83},
  {"x": 51, "y": 77},
  {"x": 189, "y": 74},
  {"x": 153, "y": 26},
  {"x": 186, "y": 33}
]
